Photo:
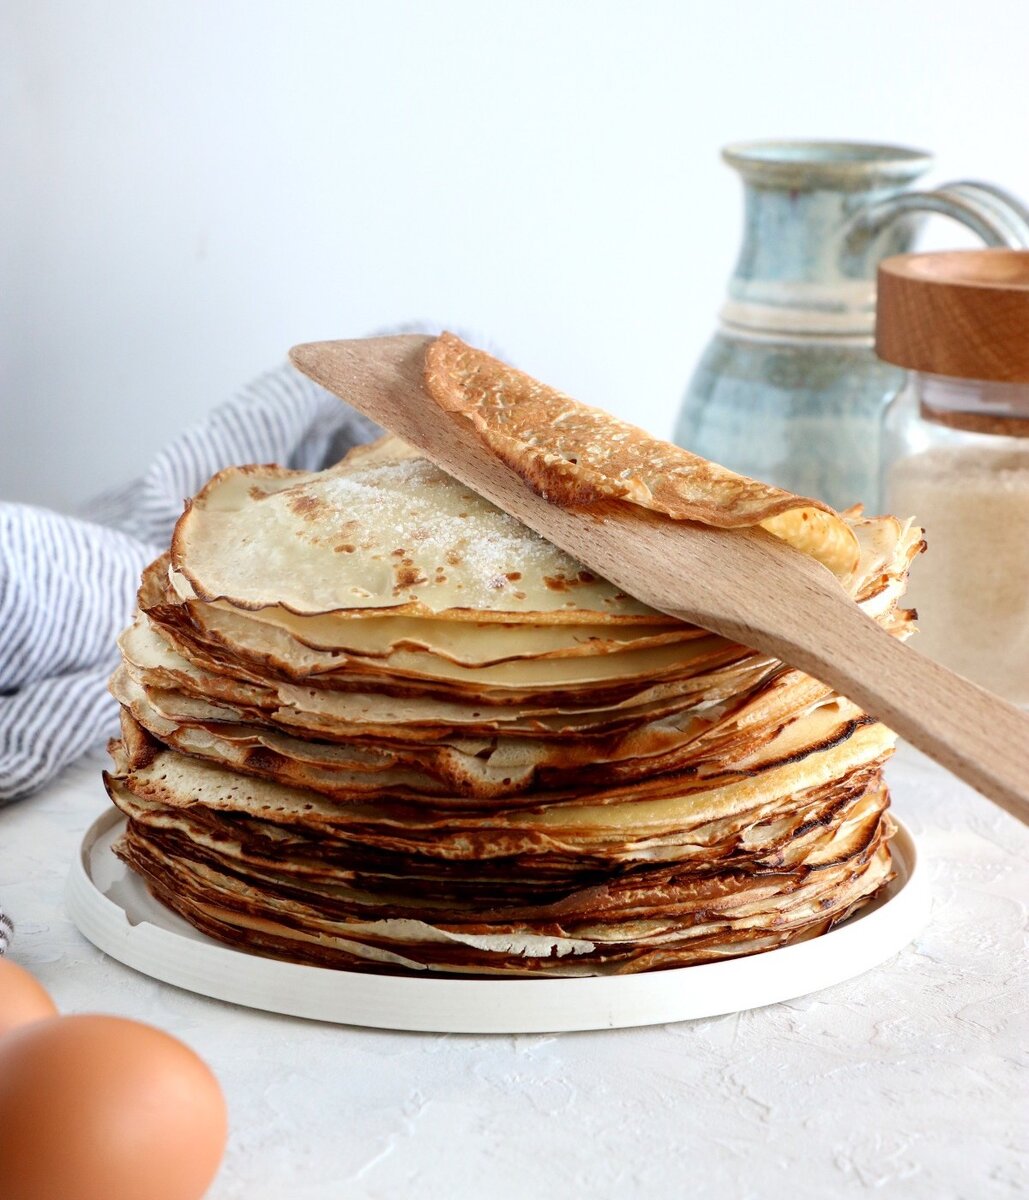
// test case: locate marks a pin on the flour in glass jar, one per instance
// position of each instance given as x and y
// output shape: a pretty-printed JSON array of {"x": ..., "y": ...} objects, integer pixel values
[{"x": 971, "y": 589}]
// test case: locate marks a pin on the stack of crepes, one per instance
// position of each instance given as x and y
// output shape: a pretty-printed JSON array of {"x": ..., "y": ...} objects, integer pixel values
[{"x": 371, "y": 721}]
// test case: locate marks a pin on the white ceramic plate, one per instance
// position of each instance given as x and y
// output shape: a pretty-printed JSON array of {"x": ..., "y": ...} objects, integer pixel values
[{"x": 112, "y": 907}]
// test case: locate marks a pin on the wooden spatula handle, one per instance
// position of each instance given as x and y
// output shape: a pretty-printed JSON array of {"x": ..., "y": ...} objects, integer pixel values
[{"x": 988, "y": 747}]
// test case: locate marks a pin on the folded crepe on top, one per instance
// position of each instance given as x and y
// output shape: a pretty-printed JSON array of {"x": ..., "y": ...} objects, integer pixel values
[
  {"x": 371, "y": 721},
  {"x": 574, "y": 454}
]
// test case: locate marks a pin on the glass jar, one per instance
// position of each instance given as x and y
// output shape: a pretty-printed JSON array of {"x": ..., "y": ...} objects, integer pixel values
[{"x": 955, "y": 456}]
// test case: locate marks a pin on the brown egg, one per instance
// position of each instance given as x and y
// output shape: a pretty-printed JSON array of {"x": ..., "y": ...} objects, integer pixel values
[
  {"x": 101, "y": 1108},
  {"x": 22, "y": 998}
]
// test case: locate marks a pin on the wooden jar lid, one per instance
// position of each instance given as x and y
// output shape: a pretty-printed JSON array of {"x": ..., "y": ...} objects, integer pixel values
[{"x": 963, "y": 313}]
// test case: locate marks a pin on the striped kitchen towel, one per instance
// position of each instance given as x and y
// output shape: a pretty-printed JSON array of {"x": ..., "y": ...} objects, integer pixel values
[{"x": 68, "y": 584}]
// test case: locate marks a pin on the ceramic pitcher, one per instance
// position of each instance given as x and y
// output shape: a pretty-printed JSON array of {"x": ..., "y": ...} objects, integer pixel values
[{"x": 789, "y": 389}]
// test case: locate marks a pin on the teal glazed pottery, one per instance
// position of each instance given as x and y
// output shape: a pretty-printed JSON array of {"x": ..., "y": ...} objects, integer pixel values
[{"x": 789, "y": 389}]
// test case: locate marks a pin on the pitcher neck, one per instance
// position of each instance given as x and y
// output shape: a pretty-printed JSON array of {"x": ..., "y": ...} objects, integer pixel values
[{"x": 798, "y": 269}]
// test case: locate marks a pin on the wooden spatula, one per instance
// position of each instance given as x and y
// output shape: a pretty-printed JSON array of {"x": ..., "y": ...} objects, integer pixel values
[{"x": 746, "y": 585}]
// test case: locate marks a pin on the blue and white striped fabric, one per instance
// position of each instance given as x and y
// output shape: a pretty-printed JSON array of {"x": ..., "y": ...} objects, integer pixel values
[{"x": 68, "y": 584}]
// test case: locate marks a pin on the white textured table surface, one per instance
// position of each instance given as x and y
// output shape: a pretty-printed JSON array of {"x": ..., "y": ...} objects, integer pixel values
[{"x": 905, "y": 1082}]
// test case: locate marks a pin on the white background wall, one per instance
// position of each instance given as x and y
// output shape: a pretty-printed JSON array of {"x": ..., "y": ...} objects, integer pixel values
[{"x": 187, "y": 188}]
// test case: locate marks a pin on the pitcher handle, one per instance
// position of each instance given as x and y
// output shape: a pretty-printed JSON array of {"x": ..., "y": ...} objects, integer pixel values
[
  {"x": 996, "y": 217},
  {"x": 1004, "y": 204}
]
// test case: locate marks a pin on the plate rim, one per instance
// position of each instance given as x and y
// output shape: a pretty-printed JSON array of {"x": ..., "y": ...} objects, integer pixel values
[{"x": 430, "y": 1004}]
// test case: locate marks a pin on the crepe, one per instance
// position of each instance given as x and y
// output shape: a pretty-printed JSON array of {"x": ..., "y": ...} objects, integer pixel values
[
  {"x": 370, "y": 721},
  {"x": 389, "y": 532},
  {"x": 574, "y": 455}
]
